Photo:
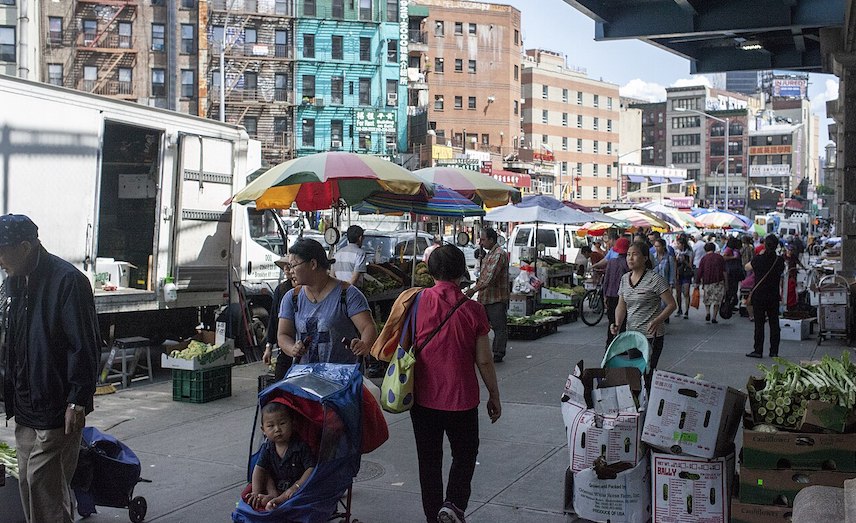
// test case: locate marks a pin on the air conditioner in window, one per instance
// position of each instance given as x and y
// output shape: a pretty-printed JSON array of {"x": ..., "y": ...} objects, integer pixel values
[
  {"x": 392, "y": 99},
  {"x": 319, "y": 101},
  {"x": 336, "y": 144}
]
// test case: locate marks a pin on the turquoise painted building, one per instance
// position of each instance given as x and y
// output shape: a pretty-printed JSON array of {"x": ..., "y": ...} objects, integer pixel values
[{"x": 351, "y": 76}]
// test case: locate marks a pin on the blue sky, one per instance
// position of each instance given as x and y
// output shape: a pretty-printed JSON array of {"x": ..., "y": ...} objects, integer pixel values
[{"x": 640, "y": 70}]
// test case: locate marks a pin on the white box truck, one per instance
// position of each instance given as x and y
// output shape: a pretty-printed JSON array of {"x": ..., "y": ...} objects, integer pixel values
[{"x": 135, "y": 197}]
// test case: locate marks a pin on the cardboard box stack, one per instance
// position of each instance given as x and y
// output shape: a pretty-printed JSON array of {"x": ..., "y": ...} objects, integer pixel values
[
  {"x": 690, "y": 425},
  {"x": 608, "y": 476},
  {"x": 816, "y": 446}
]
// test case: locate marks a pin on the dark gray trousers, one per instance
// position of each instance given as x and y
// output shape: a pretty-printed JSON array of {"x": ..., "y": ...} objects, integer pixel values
[{"x": 497, "y": 315}]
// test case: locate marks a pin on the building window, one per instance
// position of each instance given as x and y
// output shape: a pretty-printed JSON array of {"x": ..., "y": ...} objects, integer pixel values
[
  {"x": 188, "y": 83},
  {"x": 338, "y": 10},
  {"x": 579, "y": 98},
  {"x": 90, "y": 31},
  {"x": 545, "y": 92},
  {"x": 545, "y": 116},
  {"x": 459, "y": 65},
  {"x": 579, "y": 145},
  {"x": 188, "y": 44},
  {"x": 392, "y": 10},
  {"x": 686, "y": 122},
  {"x": 439, "y": 28},
  {"x": 337, "y": 127},
  {"x": 309, "y": 9},
  {"x": 685, "y": 103},
  {"x": 281, "y": 46},
  {"x": 679, "y": 140},
  {"x": 188, "y": 4},
  {"x": 438, "y": 102},
  {"x": 438, "y": 65},
  {"x": 55, "y": 30},
  {"x": 459, "y": 102},
  {"x": 308, "y": 88},
  {"x": 365, "y": 141},
  {"x": 309, "y": 131},
  {"x": 485, "y": 139},
  {"x": 308, "y": 46},
  {"x": 608, "y": 147},
  {"x": 251, "y": 38},
  {"x": 579, "y": 169},
  {"x": 516, "y": 37},
  {"x": 516, "y": 72},
  {"x": 158, "y": 83},
  {"x": 516, "y": 107},
  {"x": 392, "y": 51},
  {"x": 564, "y": 119},
  {"x": 594, "y": 147},
  {"x": 471, "y": 102},
  {"x": 366, "y": 10},
  {"x": 594, "y": 169},
  {"x": 472, "y": 29},
  {"x": 158, "y": 37},
  {"x": 280, "y": 130},
  {"x": 608, "y": 170},
  {"x": 564, "y": 167},
  {"x": 125, "y": 35},
  {"x": 251, "y": 124},
  {"x": 251, "y": 85},
  {"x": 564, "y": 96},
  {"x": 608, "y": 106},
  {"x": 688, "y": 157},
  {"x": 280, "y": 82},
  {"x": 545, "y": 138},
  {"x": 337, "y": 48},
  {"x": 471, "y": 66},
  {"x": 337, "y": 90},
  {"x": 579, "y": 121},
  {"x": 392, "y": 89},
  {"x": 609, "y": 124},
  {"x": 365, "y": 49},
  {"x": 564, "y": 143},
  {"x": 595, "y": 101},
  {"x": 55, "y": 74},
  {"x": 365, "y": 91},
  {"x": 459, "y": 28},
  {"x": 594, "y": 189},
  {"x": 595, "y": 122}
]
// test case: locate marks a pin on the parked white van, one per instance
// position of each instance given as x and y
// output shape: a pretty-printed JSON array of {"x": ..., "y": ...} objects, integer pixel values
[{"x": 558, "y": 240}]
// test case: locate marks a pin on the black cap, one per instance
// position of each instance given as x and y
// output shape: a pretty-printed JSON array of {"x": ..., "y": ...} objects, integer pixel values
[{"x": 16, "y": 228}]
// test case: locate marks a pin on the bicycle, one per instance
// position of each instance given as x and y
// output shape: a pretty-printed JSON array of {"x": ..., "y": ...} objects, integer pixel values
[{"x": 593, "y": 305}]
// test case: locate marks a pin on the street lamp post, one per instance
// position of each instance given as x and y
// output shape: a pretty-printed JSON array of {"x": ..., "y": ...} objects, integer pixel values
[
  {"x": 618, "y": 173},
  {"x": 727, "y": 138}
]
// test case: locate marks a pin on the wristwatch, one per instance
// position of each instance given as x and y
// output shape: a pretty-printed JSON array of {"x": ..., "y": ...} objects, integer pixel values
[{"x": 75, "y": 407}]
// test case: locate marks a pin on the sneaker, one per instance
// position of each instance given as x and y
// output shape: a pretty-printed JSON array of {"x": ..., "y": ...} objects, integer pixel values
[
  {"x": 450, "y": 514},
  {"x": 707, "y": 318},
  {"x": 754, "y": 354},
  {"x": 714, "y": 321}
]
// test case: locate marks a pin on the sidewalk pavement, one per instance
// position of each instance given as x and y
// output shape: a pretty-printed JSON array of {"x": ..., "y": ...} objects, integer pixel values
[{"x": 196, "y": 454}]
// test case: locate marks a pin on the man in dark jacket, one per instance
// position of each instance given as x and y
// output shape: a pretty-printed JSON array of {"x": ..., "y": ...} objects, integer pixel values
[
  {"x": 51, "y": 366},
  {"x": 765, "y": 296}
]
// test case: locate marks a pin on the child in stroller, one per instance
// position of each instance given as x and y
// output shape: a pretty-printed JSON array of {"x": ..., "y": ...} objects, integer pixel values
[{"x": 285, "y": 461}]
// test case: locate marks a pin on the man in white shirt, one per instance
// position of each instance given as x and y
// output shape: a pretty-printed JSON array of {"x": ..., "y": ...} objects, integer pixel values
[
  {"x": 698, "y": 250},
  {"x": 351, "y": 260}
]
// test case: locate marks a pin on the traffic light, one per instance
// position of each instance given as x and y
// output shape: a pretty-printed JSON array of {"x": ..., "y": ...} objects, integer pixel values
[
  {"x": 693, "y": 189},
  {"x": 754, "y": 194}
]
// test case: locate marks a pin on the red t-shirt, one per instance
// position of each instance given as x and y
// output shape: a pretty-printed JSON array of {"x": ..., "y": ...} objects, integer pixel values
[{"x": 445, "y": 375}]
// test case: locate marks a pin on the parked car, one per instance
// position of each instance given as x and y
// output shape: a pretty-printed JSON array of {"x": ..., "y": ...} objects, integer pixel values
[
  {"x": 557, "y": 241},
  {"x": 384, "y": 246}
]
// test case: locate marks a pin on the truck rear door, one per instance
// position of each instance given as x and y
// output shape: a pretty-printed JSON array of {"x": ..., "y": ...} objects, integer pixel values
[{"x": 202, "y": 230}]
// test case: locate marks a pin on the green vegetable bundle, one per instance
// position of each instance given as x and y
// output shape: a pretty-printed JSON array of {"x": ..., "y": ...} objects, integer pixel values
[
  {"x": 9, "y": 459},
  {"x": 195, "y": 349},
  {"x": 789, "y": 387}
]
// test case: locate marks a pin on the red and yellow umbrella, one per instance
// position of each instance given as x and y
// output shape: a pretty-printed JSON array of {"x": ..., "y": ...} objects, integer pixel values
[{"x": 322, "y": 180}]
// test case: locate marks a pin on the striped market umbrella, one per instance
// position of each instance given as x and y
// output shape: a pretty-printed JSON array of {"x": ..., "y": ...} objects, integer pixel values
[
  {"x": 642, "y": 219},
  {"x": 719, "y": 220},
  {"x": 670, "y": 214},
  {"x": 323, "y": 180},
  {"x": 445, "y": 202},
  {"x": 474, "y": 185}
]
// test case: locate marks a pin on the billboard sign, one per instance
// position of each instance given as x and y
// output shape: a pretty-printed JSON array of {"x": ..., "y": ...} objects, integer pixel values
[
  {"x": 375, "y": 121},
  {"x": 758, "y": 171},
  {"x": 790, "y": 87}
]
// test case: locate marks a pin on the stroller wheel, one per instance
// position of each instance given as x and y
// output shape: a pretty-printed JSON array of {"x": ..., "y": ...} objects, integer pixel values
[{"x": 137, "y": 509}]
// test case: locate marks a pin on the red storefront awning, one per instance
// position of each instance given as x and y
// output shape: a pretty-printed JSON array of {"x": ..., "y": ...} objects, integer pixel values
[{"x": 519, "y": 180}]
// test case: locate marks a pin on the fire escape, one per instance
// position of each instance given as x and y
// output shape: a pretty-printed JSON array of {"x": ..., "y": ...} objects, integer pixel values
[
  {"x": 259, "y": 71},
  {"x": 104, "y": 55}
]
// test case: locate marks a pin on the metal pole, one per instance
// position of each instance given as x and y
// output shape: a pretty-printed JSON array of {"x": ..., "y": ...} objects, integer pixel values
[
  {"x": 727, "y": 147},
  {"x": 223, "y": 77}
]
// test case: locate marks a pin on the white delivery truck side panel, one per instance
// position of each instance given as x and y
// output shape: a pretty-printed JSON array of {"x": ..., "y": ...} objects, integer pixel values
[{"x": 49, "y": 158}]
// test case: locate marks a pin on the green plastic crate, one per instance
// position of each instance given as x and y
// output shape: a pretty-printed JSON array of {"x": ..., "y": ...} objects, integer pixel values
[{"x": 201, "y": 386}]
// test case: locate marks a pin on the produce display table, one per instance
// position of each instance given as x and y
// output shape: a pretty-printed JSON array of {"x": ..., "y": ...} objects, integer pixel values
[{"x": 535, "y": 331}]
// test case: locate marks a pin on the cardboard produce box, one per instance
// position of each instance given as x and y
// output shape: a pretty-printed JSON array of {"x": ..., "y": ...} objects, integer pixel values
[
  {"x": 794, "y": 330},
  {"x": 626, "y": 498},
  {"x": 521, "y": 305},
  {"x": 222, "y": 355},
  {"x": 686, "y": 489},
  {"x": 779, "y": 487},
  {"x": 690, "y": 416},
  {"x": 798, "y": 450},
  {"x": 748, "y": 513}
]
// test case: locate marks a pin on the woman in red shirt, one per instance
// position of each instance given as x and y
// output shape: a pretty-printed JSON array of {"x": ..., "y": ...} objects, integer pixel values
[{"x": 446, "y": 390}]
